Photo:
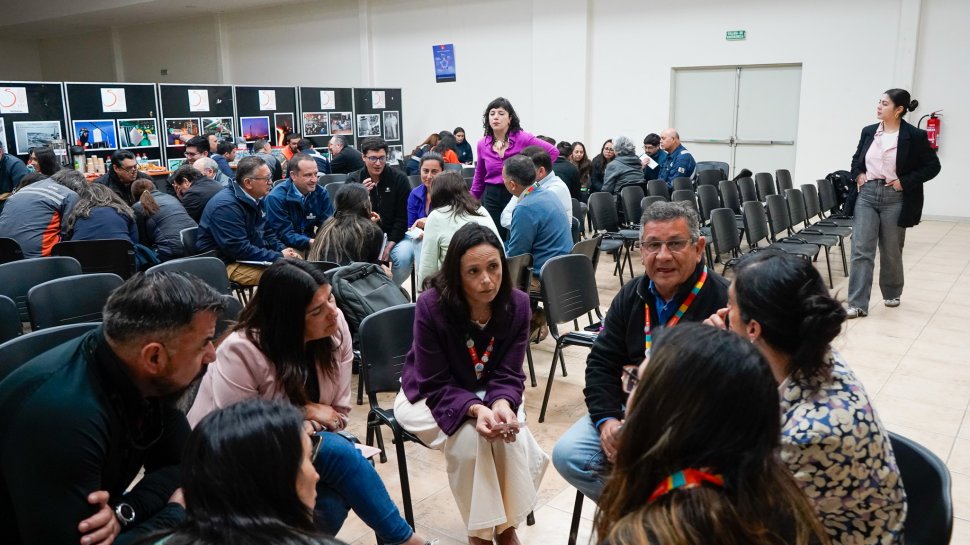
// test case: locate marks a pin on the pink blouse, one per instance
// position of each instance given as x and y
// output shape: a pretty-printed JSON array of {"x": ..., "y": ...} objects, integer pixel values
[
  {"x": 241, "y": 371},
  {"x": 881, "y": 157}
]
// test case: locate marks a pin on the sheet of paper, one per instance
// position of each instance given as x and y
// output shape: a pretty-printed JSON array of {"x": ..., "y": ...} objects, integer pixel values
[{"x": 367, "y": 451}]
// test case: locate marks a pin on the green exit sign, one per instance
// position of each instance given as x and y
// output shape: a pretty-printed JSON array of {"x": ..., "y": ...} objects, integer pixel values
[{"x": 735, "y": 35}]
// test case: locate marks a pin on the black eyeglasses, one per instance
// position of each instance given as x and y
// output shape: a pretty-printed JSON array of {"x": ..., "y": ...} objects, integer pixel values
[
  {"x": 630, "y": 378},
  {"x": 315, "y": 441}
]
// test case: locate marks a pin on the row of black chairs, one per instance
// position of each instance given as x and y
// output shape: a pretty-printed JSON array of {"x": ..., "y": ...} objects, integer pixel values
[{"x": 114, "y": 256}]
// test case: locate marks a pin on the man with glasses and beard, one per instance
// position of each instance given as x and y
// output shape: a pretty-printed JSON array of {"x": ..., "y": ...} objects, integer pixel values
[
  {"x": 83, "y": 418},
  {"x": 124, "y": 171}
]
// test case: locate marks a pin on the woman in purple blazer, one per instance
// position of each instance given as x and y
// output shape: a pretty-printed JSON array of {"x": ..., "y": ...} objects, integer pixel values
[
  {"x": 504, "y": 138},
  {"x": 462, "y": 386}
]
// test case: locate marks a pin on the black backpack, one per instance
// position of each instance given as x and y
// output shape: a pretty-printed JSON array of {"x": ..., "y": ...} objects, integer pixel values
[
  {"x": 845, "y": 192},
  {"x": 362, "y": 289}
]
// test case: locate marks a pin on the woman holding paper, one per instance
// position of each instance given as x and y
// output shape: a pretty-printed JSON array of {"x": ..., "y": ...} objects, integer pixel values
[
  {"x": 292, "y": 343},
  {"x": 462, "y": 385}
]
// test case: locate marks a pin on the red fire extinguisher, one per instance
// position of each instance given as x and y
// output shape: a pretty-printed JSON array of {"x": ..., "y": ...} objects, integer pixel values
[{"x": 932, "y": 128}]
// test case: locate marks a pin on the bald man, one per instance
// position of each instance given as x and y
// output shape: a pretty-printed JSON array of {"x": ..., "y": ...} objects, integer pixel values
[{"x": 679, "y": 163}]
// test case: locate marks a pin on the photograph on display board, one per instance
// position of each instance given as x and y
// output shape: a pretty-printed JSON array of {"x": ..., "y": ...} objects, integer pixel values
[
  {"x": 219, "y": 126},
  {"x": 392, "y": 125},
  {"x": 396, "y": 153},
  {"x": 368, "y": 125},
  {"x": 284, "y": 125},
  {"x": 180, "y": 130},
  {"x": 174, "y": 164},
  {"x": 342, "y": 123},
  {"x": 254, "y": 128},
  {"x": 3, "y": 137},
  {"x": 33, "y": 134},
  {"x": 315, "y": 124},
  {"x": 95, "y": 134},
  {"x": 137, "y": 133},
  {"x": 154, "y": 162}
]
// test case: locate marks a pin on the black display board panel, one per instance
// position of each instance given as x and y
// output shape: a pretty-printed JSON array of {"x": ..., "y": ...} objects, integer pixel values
[
  {"x": 45, "y": 102},
  {"x": 84, "y": 104},
  {"x": 175, "y": 105},
  {"x": 312, "y": 102},
  {"x": 365, "y": 108},
  {"x": 250, "y": 101}
]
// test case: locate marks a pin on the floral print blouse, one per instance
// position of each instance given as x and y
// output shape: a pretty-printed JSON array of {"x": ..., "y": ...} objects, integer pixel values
[{"x": 840, "y": 454}]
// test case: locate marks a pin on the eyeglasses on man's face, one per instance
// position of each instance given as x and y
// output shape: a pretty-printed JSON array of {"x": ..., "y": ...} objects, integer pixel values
[
  {"x": 376, "y": 159},
  {"x": 654, "y": 246}
]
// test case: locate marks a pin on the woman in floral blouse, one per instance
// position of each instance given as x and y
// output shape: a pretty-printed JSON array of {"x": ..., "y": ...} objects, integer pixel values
[{"x": 832, "y": 439}]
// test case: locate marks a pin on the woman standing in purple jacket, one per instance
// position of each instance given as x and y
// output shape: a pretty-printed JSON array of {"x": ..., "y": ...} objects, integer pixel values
[
  {"x": 462, "y": 385},
  {"x": 504, "y": 138}
]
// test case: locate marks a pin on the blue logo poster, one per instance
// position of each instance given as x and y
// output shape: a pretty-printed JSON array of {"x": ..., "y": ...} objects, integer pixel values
[{"x": 444, "y": 62}]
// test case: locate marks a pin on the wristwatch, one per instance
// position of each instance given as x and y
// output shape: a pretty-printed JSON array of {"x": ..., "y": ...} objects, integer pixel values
[{"x": 125, "y": 514}]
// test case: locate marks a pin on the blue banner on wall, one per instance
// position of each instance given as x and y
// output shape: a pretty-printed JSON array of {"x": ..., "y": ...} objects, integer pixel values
[{"x": 444, "y": 62}]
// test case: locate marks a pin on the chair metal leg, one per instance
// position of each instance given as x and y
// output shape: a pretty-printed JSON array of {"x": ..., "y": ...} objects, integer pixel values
[
  {"x": 532, "y": 369},
  {"x": 845, "y": 264},
  {"x": 402, "y": 468},
  {"x": 531, "y": 519},
  {"x": 828, "y": 265},
  {"x": 360, "y": 388},
  {"x": 562, "y": 362},
  {"x": 577, "y": 512},
  {"x": 552, "y": 376},
  {"x": 379, "y": 436}
]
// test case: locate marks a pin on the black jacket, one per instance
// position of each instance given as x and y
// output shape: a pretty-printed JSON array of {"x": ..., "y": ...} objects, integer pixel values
[
  {"x": 111, "y": 180},
  {"x": 621, "y": 341},
  {"x": 916, "y": 163},
  {"x": 162, "y": 231},
  {"x": 569, "y": 174},
  {"x": 347, "y": 161},
  {"x": 73, "y": 423},
  {"x": 389, "y": 199},
  {"x": 195, "y": 198}
]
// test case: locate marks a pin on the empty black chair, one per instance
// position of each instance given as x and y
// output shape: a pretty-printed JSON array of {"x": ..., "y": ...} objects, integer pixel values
[
  {"x": 729, "y": 195},
  {"x": 467, "y": 171},
  {"x": 830, "y": 205},
  {"x": 647, "y": 201},
  {"x": 683, "y": 183},
  {"x": 709, "y": 177},
  {"x": 747, "y": 189},
  {"x": 713, "y": 165},
  {"x": 631, "y": 196},
  {"x": 211, "y": 270},
  {"x": 579, "y": 212},
  {"x": 17, "y": 277},
  {"x": 798, "y": 213},
  {"x": 783, "y": 180},
  {"x": 114, "y": 256},
  {"x": 19, "y": 351},
  {"x": 328, "y": 179},
  {"x": 10, "y": 325},
  {"x": 765, "y": 185},
  {"x": 332, "y": 189},
  {"x": 414, "y": 180},
  {"x": 71, "y": 300},
  {"x": 10, "y": 250},
  {"x": 520, "y": 272},
  {"x": 658, "y": 188},
  {"x": 813, "y": 210},
  {"x": 684, "y": 196},
  {"x": 756, "y": 230},
  {"x": 779, "y": 221},
  {"x": 707, "y": 200},
  {"x": 726, "y": 239},
  {"x": 929, "y": 517},
  {"x": 568, "y": 291},
  {"x": 615, "y": 241}
]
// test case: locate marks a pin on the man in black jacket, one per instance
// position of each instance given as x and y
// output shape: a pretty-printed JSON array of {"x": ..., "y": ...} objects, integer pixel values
[
  {"x": 124, "y": 171},
  {"x": 343, "y": 160},
  {"x": 82, "y": 419},
  {"x": 672, "y": 253},
  {"x": 389, "y": 190},
  {"x": 194, "y": 189}
]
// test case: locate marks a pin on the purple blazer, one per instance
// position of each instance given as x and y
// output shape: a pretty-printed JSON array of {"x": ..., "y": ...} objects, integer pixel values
[
  {"x": 488, "y": 169},
  {"x": 439, "y": 369}
]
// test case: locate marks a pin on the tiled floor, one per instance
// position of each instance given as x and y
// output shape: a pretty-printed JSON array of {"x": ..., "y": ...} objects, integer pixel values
[{"x": 914, "y": 361}]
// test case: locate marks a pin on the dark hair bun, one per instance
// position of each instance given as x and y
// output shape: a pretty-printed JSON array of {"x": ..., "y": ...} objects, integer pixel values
[{"x": 913, "y": 104}]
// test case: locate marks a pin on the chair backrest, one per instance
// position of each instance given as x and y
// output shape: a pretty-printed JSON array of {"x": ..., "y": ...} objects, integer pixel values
[
  {"x": 747, "y": 189},
  {"x": 568, "y": 289},
  {"x": 588, "y": 248},
  {"x": 210, "y": 269},
  {"x": 778, "y": 219},
  {"x": 765, "y": 185},
  {"x": 414, "y": 180},
  {"x": 658, "y": 188},
  {"x": 708, "y": 165},
  {"x": 72, "y": 300},
  {"x": 709, "y": 177},
  {"x": 631, "y": 196},
  {"x": 100, "y": 256},
  {"x": 724, "y": 231},
  {"x": 576, "y": 229},
  {"x": 457, "y": 167},
  {"x": 683, "y": 183},
  {"x": 324, "y": 266},
  {"x": 467, "y": 171},
  {"x": 10, "y": 325},
  {"x": 813, "y": 207},
  {"x": 684, "y": 196},
  {"x": 188, "y": 236},
  {"x": 783, "y": 180},
  {"x": 730, "y": 195},
  {"x": 10, "y": 250},
  {"x": 707, "y": 199},
  {"x": 796, "y": 206},
  {"x": 826, "y": 195},
  {"x": 647, "y": 201},
  {"x": 755, "y": 222},
  {"x": 929, "y": 517},
  {"x": 602, "y": 209},
  {"x": 229, "y": 316},
  {"x": 19, "y": 351},
  {"x": 328, "y": 179},
  {"x": 332, "y": 188},
  {"x": 381, "y": 362},
  {"x": 520, "y": 271},
  {"x": 579, "y": 211},
  {"x": 17, "y": 277}
]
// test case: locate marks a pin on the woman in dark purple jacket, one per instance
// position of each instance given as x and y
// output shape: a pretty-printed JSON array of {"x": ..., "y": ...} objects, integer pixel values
[{"x": 462, "y": 385}]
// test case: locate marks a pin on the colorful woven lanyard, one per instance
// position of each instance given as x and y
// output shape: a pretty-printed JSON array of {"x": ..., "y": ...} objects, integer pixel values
[
  {"x": 479, "y": 363},
  {"x": 528, "y": 190},
  {"x": 684, "y": 479},
  {"x": 647, "y": 337}
]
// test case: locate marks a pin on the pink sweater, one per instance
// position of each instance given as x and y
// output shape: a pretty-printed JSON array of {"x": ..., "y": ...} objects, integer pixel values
[{"x": 241, "y": 371}]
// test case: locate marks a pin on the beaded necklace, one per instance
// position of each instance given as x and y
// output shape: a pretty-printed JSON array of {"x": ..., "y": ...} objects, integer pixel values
[{"x": 479, "y": 364}]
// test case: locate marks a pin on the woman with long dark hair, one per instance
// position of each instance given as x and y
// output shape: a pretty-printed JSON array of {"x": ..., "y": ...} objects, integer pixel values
[
  {"x": 351, "y": 234},
  {"x": 43, "y": 160},
  {"x": 101, "y": 214},
  {"x": 462, "y": 147},
  {"x": 598, "y": 166},
  {"x": 697, "y": 457},
  {"x": 160, "y": 219},
  {"x": 232, "y": 495},
  {"x": 504, "y": 138},
  {"x": 293, "y": 344},
  {"x": 831, "y": 438},
  {"x": 893, "y": 161},
  {"x": 462, "y": 386},
  {"x": 579, "y": 158}
]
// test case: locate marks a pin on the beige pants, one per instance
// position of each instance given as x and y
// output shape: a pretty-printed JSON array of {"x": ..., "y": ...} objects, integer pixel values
[
  {"x": 494, "y": 484},
  {"x": 244, "y": 275}
]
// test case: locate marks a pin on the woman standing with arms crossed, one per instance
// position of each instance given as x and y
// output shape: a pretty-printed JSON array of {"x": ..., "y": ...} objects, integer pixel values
[
  {"x": 504, "y": 138},
  {"x": 890, "y": 165}
]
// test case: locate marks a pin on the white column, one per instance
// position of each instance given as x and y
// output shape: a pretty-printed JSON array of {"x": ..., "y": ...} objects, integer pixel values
[
  {"x": 366, "y": 43},
  {"x": 118, "y": 57},
  {"x": 907, "y": 43},
  {"x": 223, "y": 68}
]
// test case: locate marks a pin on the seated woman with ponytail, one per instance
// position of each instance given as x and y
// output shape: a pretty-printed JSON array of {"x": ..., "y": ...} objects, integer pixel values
[
  {"x": 697, "y": 456},
  {"x": 832, "y": 440},
  {"x": 160, "y": 219}
]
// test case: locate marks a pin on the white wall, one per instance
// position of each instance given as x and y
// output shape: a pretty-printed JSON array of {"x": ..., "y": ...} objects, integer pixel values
[
  {"x": 20, "y": 60},
  {"x": 186, "y": 48},
  {"x": 79, "y": 57}
]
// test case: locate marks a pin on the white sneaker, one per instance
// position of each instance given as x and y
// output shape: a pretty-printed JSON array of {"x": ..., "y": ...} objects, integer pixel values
[
  {"x": 853, "y": 312},
  {"x": 892, "y": 302}
]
